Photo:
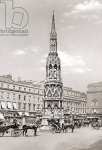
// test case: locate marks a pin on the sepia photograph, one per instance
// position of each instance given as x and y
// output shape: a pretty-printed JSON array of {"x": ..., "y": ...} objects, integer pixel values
[{"x": 50, "y": 75}]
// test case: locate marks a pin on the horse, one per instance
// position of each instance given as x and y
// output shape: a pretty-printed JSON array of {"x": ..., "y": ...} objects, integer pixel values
[
  {"x": 96, "y": 124},
  {"x": 34, "y": 127},
  {"x": 68, "y": 125},
  {"x": 86, "y": 123},
  {"x": 4, "y": 128},
  {"x": 55, "y": 125},
  {"x": 77, "y": 123}
]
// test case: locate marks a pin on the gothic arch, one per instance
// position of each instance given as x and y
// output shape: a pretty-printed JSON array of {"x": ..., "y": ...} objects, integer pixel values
[
  {"x": 55, "y": 106},
  {"x": 55, "y": 66},
  {"x": 50, "y": 66},
  {"x": 49, "y": 106},
  {"x": 56, "y": 94},
  {"x": 49, "y": 94}
]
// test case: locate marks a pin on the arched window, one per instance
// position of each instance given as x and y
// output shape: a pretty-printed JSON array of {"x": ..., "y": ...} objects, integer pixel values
[
  {"x": 56, "y": 106},
  {"x": 50, "y": 66},
  {"x": 49, "y": 106},
  {"x": 55, "y": 66}
]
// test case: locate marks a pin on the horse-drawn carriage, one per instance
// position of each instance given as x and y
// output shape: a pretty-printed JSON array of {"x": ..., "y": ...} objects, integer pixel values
[
  {"x": 57, "y": 126},
  {"x": 17, "y": 129},
  {"x": 54, "y": 125},
  {"x": 16, "y": 132},
  {"x": 96, "y": 123},
  {"x": 68, "y": 124}
]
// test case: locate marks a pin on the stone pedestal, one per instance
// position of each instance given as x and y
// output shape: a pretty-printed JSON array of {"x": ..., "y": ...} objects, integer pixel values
[{"x": 44, "y": 124}]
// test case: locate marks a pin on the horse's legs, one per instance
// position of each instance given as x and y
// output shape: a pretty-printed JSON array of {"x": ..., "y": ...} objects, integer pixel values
[
  {"x": 63, "y": 128},
  {"x": 35, "y": 131},
  {"x": 26, "y": 132},
  {"x": 23, "y": 132},
  {"x": 3, "y": 133},
  {"x": 72, "y": 129}
]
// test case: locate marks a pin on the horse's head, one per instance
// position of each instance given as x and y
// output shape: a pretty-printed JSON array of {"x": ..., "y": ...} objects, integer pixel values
[{"x": 15, "y": 125}]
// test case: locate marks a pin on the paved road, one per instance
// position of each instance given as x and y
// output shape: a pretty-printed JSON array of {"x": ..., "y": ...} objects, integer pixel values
[
  {"x": 81, "y": 139},
  {"x": 95, "y": 146}
]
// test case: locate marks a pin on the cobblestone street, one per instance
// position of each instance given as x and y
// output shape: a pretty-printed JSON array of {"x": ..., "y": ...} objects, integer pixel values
[{"x": 81, "y": 139}]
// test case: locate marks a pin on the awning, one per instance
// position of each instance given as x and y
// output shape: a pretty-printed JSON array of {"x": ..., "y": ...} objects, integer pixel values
[
  {"x": 9, "y": 105},
  {"x": 3, "y": 105},
  {"x": 14, "y": 106}
]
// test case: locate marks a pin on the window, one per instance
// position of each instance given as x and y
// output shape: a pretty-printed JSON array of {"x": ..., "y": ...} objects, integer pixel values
[
  {"x": 24, "y": 97},
  {"x": 38, "y": 106},
  {"x": 13, "y": 96},
  {"x": 36, "y": 91},
  {"x": 69, "y": 93},
  {"x": 50, "y": 66},
  {"x": 19, "y": 88},
  {"x": 29, "y": 106},
  {"x": 19, "y": 106},
  {"x": 24, "y": 107},
  {"x": 8, "y": 95},
  {"x": 8, "y": 86},
  {"x": 24, "y": 89},
  {"x": 19, "y": 97},
  {"x": 29, "y": 98},
  {"x": 55, "y": 66},
  {"x": 2, "y": 94},
  {"x": 33, "y": 107},
  {"x": 2, "y": 85},
  {"x": 13, "y": 86}
]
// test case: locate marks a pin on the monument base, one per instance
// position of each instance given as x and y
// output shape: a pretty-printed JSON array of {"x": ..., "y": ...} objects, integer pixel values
[
  {"x": 57, "y": 114},
  {"x": 44, "y": 125}
]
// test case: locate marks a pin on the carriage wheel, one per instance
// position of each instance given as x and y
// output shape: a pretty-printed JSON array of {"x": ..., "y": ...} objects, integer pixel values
[
  {"x": 15, "y": 133},
  {"x": 1, "y": 134}
]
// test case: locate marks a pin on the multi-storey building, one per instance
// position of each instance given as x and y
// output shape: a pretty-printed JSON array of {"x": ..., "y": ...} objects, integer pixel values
[
  {"x": 19, "y": 96},
  {"x": 74, "y": 101},
  {"x": 94, "y": 97},
  {"x": 23, "y": 96}
]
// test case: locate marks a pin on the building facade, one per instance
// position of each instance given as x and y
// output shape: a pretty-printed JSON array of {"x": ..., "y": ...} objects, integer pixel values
[
  {"x": 28, "y": 97},
  {"x": 21, "y": 96},
  {"x": 94, "y": 97},
  {"x": 74, "y": 101}
]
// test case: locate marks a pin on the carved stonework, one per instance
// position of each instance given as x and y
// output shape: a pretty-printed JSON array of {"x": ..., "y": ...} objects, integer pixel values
[
  {"x": 53, "y": 87},
  {"x": 53, "y": 91}
]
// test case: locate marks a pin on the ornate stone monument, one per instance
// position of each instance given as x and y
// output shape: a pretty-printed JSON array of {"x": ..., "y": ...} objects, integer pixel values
[{"x": 53, "y": 87}]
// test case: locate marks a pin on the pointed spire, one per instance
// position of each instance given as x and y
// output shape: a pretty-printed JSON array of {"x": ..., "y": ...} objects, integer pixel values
[
  {"x": 53, "y": 24},
  {"x": 53, "y": 36}
]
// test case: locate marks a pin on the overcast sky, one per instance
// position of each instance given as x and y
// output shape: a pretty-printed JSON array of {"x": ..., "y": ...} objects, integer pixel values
[{"x": 79, "y": 29}]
